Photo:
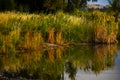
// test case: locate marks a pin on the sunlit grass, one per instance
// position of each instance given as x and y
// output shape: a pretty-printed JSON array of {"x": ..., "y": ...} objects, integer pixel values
[{"x": 28, "y": 31}]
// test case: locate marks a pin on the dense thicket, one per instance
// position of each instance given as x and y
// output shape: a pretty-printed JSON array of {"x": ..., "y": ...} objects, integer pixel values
[{"x": 42, "y": 5}]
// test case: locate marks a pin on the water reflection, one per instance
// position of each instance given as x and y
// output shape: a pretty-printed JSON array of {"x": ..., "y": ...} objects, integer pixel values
[{"x": 54, "y": 64}]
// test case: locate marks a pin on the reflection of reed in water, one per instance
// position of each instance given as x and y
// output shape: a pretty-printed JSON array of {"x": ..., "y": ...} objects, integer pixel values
[
  {"x": 103, "y": 57},
  {"x": 51, "y": 55},
  {"x": 59, "y": 52},
  {"x": 51, "y": 64},
  {"x": 55, "y": 54},
  {"x": 93, "y": 58},
  {"x": 16, "y": 62}
]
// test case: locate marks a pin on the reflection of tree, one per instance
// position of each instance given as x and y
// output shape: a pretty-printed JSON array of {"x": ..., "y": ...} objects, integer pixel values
[
  {"x": 95, "y": 58},
  {"x": 81, "y": 57},
  {"x": 70, "y": 69},
  {"x": 49, "y": 64}
]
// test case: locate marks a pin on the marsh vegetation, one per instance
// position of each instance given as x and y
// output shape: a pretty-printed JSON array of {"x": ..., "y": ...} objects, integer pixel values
[{"x": 22, "y": 31}]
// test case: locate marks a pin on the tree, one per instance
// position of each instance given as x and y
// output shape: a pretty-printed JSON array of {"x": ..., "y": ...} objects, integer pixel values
[
  {"x": 115, "y": 6},
  {"x": 7, "y": 5},
  {"x": 76, "y": 4},
  {"x": 42, "y": 5},
  {"x": 53, "y": 5},
  {"x": 83, "y": 3}
]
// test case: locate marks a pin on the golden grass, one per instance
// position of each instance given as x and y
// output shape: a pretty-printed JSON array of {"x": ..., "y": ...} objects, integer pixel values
[
  {"x": 30, "y": 30},
  {"x": 59, "y": 38},
  {"x": 74, "y": 20},
  {"x": 100, "y": 34},
  {"x": 51, "y": 38}
]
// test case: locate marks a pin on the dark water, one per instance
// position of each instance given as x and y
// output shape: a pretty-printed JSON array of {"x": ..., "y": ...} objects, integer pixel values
[{"x": 99, "y": 62}]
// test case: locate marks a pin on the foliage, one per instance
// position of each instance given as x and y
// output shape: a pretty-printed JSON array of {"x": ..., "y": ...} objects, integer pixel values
[
  {"x": 115, "y": 6},
  {"x": 7, "y": 5},
  {"x": 29, "y": 31},
  {"x": 47, "y": 6}
]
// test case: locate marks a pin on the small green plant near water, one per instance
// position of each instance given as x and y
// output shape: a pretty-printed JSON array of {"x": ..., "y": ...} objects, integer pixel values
[{"x": 28, "y": 31}]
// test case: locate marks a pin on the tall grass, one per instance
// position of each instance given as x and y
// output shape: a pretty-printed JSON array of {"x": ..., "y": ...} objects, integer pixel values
[{"x": 29, "y": 31}]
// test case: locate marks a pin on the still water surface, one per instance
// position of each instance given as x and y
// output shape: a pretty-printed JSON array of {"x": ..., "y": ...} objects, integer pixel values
[{"x": 99, "y": 62}]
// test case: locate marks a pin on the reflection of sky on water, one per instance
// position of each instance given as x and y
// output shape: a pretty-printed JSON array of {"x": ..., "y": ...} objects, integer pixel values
[
  {"x": 110, "y": 74},
  {"x": 117, "y": 60}
]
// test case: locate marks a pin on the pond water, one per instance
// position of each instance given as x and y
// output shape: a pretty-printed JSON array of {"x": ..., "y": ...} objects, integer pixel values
[{"x": 100, "y": 62}]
